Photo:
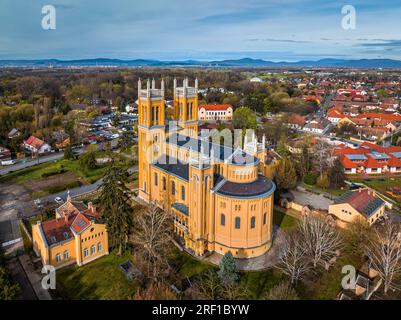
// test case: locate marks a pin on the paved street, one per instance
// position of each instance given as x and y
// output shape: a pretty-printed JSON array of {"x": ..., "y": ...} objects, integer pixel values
[{"x": 32, "y": 162}]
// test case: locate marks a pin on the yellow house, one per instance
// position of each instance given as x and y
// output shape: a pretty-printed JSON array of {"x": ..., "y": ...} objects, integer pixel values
[
  {"x": 74, "y": 236},
  {"x": 219, "y": 196},
  {"x": 358, "y": 204}
]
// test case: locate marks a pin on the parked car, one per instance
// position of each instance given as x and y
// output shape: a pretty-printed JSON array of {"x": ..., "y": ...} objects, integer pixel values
[
  {"x": 38, "y": 203},
  {"x": 58, "y": 200},
  {"x": 8, "y": 162}
]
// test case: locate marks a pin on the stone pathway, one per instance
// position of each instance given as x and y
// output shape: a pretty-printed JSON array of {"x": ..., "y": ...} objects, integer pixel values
[{"x": 35, "y": 278}]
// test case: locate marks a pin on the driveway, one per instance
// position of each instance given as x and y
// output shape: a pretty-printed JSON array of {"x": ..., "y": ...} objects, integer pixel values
[
  {"x": 14, "y": 202},
  {"x": 317, "y": 201}
]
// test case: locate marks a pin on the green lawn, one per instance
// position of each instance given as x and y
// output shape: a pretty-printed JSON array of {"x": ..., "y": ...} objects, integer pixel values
[
  {"x": 257, "y": 284},
  {"x": 284, "y": 221},
  {"x": 188, "y": 266},
  {"x": 101, "y": 279},
  {"x": 48, "y": 169}
]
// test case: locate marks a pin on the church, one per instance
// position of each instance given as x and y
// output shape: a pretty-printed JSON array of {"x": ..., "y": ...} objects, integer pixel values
[{"x": 220, "y": 196}]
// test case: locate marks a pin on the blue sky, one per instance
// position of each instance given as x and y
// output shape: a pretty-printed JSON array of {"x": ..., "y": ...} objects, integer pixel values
[{"x": 200, "y": 29}]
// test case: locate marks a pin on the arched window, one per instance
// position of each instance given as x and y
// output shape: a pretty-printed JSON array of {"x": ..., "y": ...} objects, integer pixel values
[
  {"x": 253, "y": 222},
  {"x": 173, "y": 188},
  {"x": 264, "y": 218},
  {"x": 164, "y": 183},
  {"x": 58, "y": 258},
  {"x": 93, "y": 250},
  {"x": 182, "y": 193},
  {"x": 156, "y": 179},
  {"x": 66, "y": 255},
  {"x": 86, "y": 252},
  {"x": 222, "y": 219},
  {"x": 237, "y": 223},
  {"x": 99, "y": 247}
]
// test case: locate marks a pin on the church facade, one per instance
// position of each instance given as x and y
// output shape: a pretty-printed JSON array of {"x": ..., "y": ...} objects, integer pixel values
[{"x": 219, "y": 195}]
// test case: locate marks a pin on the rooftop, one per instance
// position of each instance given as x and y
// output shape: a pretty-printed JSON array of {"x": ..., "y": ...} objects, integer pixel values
[{"x": 364, "y": 201}]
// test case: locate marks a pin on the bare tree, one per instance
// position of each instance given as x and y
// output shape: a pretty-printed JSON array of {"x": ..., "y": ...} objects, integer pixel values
[
  {"x": 151, "y": 239},
  {"x": 208, "y": 285},
  {"x": 320, "y": 240},
  {"x": 282, "y": 291},
  {"x": 293, "y": 259},
  {"x": 321, "y": 156},
  {"x": 384, "y": 253}
]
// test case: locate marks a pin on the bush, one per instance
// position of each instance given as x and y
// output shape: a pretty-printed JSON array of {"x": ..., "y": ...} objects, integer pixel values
[
  {"x": 53, "y": 173},
  {"x": 310, "y": 179}
]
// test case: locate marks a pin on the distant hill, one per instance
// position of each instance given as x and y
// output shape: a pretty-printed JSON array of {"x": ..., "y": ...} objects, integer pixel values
[{"x": 245, "y": 62}]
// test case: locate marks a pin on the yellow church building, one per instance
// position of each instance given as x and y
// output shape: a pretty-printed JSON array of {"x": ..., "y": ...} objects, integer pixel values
[
  {"x": 219, "y": 196},
  {"x": 74, "y": 236}
]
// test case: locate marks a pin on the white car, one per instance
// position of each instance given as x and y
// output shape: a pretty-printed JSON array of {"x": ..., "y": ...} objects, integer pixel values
[
  {"x": 8, "y": 162},
  {"x": 38, "y": 203},
  {"x": 58, "y": 200}
]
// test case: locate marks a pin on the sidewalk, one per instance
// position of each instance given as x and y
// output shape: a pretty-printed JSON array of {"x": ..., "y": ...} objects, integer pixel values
[{"x": 35, "y": 278}]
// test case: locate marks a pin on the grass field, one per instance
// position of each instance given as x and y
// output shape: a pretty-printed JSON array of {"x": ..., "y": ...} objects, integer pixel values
[
  {"x": 101, "y": 279},
  {"x": 284, "y": 221}
]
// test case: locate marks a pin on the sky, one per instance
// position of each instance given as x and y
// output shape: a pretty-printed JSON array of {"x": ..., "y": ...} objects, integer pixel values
[{"x": 276, "y": 30}]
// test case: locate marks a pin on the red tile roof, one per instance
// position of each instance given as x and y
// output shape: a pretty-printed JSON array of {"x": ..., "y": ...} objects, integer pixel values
[
  {"x": 380, "y": 116},
  {"x": 34, "y": 142},
  {"x": 367, "y": 149},
  {"x": 364, "y": 201},
  {"x": 73, "y": 217},
  {"x": 211, "y": 107}
]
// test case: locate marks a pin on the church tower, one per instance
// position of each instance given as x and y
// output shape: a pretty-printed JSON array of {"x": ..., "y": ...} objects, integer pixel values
[
  {"x": 151, "y": 134},
  {"x": 186, "y": 107}
]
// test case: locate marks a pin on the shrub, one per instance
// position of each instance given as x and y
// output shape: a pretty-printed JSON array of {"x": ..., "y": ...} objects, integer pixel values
[{"x": 310, "y": 179}]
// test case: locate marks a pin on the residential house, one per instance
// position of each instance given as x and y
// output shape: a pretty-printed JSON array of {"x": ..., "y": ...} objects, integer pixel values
[
  {"x": 296, "y": 121},
  {"x": 14, "y": 133},
  {"x": 76, "y": 235},
  {"x": 61, "y": 139},
  {"x": 361, "y": 204},
  {"x": 36, "y": 145},
  {"x": 5, "y": 154},
  {"x": 317, "y": 126},
  {"x": 369, "y": 158}
]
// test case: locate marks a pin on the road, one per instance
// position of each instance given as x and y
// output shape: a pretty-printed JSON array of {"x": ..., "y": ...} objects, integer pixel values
[
  {"x": 34, "y": 162},
  {"x": 79, "y": 190}
]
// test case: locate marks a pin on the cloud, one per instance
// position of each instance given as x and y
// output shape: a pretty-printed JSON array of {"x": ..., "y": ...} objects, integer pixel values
[{"x": 280, "y": 40}]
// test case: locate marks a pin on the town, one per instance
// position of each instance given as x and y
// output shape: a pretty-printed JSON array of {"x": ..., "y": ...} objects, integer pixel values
[{"x": 122, "y": 181}]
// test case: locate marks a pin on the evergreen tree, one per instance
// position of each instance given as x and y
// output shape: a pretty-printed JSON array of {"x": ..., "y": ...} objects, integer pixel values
[
  {"x": 114, "y": 201},
  {"x": 228, "y": 273},
  {"x": 126, "y": 140},
  {"x": 88, "y": 160},
  {"x": 286, "y": 177},
  {"x": 8, "y": 289},
  {"x": 68, "y": 152}
]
